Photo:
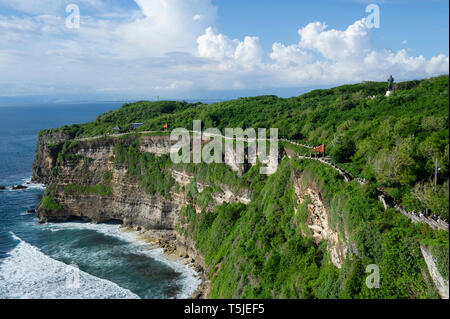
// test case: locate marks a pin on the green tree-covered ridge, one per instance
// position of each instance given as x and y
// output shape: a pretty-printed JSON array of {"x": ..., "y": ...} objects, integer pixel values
[
  {"x": 392, "y": 142},
  {"x": 258, "y": 250}
]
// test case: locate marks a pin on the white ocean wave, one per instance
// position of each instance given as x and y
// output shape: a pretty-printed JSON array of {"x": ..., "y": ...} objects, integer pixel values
[
  {"x": 189, "y": 278},
  {"x": 27, "y": 273},
  {"x": 27, "y": 182}
]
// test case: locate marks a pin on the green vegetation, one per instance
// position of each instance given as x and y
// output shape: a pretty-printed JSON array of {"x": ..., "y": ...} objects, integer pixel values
[
  {"x": 393, "y": 142},
  {"x": 107, "y": 177},
  {"x": 440, "y": 256},
  {"x": 258, "y": 251},
  {"x": 129, "y": 113},
  {"x": 213, "y": 174},
  {"x": 265, "y": 249},
  {"x": 48, "y": 202},
  {"x": 151, "y": 171}
]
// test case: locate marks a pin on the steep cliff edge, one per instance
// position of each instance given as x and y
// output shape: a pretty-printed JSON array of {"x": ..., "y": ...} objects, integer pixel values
[
  {"x": 318, "y": 221},
  {"x": 299, "y": 233},
  {"x": 86, "y": 181},
  {"x": 440, "y": 282}
]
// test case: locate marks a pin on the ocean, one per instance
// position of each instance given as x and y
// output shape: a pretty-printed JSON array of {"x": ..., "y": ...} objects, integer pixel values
[{"x": 70, "y": 260}]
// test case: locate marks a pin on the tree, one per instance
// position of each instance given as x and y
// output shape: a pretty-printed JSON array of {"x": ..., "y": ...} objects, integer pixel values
[{"x": 343, "y": 151}]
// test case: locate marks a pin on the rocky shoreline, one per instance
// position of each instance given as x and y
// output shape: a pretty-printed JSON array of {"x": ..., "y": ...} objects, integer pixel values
[
  {"x": 173, "y": 251},
  {"x": 14, "y": 187},
  {"x": 87, "y": 184}
]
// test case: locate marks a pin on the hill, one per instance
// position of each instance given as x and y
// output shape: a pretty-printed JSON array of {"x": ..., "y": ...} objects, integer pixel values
[{"x": 303, "y": 232}]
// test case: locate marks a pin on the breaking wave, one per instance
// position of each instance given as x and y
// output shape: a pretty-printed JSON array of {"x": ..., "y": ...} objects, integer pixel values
[{"x": 27, "y": 273}]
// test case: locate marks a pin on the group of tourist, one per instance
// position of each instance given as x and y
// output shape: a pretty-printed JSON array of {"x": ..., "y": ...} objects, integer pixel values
[{"x": 437, "y": 218}]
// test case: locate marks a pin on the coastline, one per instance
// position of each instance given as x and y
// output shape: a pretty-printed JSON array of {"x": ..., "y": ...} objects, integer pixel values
[{"x": 175, "y": 252}]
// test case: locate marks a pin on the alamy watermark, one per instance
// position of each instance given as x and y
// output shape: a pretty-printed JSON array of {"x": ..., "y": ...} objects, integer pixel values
[
  {"x": 73, "y": 19},
  {"x": 373, "y": 20},
  {"x": 373, "y": 279},
  {"x": 210, "y": 146}
]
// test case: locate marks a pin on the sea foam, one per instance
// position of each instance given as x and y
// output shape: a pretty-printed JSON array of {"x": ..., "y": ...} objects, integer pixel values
[
  {"x": 189, "y": 279},
  {"x": 27, "y": 182},
  {"x": 27, "y": 273}
]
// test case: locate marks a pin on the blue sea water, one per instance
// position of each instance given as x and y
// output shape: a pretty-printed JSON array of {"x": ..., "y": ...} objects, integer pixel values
[{"x": 38, "y": 261}]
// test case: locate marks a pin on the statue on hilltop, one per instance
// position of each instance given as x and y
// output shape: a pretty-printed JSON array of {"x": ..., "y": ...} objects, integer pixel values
[
  {"x": 391, "y": 86},
  {"x": 391, "y": 82}
]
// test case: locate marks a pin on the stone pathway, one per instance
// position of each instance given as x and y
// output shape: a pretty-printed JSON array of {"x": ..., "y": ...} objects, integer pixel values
[{"x": 387, "y": 201}]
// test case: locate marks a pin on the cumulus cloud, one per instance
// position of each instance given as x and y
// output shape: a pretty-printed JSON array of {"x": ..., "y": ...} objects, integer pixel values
[
  {"x": 216, "y": 46},
  {"x": 168, "y": 25},
  {"x": 336, "y": 45},
  {"x": 322, "y": 56},
  {"x": 219, "y": 47},
  {"x": 171, "y": 47},
  {"x": 347, "y": 55}
]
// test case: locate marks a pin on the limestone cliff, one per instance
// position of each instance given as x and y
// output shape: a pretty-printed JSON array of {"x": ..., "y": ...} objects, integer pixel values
[
  {"x": 87, "y": 184},
  {"x": 318, "y": 221}
]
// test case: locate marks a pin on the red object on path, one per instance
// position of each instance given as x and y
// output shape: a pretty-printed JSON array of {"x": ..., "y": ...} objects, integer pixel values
[{"x": 319, "y": 149}]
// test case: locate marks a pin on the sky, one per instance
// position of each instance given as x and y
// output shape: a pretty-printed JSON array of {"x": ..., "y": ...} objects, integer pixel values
[{"x": 214, "y": 49}]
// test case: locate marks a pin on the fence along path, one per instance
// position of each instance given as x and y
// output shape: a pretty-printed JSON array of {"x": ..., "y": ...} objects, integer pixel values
[{"x": 386, "y": 200}]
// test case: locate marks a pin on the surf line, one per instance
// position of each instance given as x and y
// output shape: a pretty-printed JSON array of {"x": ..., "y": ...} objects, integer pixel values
[{"x": 207, "y": 310}]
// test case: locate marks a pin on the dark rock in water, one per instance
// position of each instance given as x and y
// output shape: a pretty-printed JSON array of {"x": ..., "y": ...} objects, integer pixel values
[
  {"x": 2, "y": 187},
  {"x": 19, "y": 187},
  {"x": 31, "y": 211}
]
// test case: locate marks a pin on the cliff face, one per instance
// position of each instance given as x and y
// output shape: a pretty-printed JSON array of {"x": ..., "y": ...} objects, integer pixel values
[
  {"x": 318, "y": 222},
  {"x": 121, "y": 196},
  {"x": 93, "y": 180},
  {"x": 87, "y": 184},
  {"x": 46, "y": 156}
]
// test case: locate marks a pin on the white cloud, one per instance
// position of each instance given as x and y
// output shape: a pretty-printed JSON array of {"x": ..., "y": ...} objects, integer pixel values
[
  {"x": 249, "y": 52},
  {"x": 246, "y": 53},
  {"x": 321, "y": 57},
  {"x": 167, "y": 25},
  {"x": 171, "y": 46},
  {"x": 289, "y": 56},
  {"x": 336, "y": 45},
  {"x": 216, "y": 46}
]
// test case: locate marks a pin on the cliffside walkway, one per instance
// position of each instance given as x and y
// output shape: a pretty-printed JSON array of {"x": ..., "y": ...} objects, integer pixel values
[{"x": 386, "y": 200}]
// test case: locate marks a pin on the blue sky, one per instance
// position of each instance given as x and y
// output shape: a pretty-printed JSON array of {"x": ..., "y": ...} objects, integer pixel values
[
  {"x": 214, "y": 48},
  {"x": 424, "y": 24}
]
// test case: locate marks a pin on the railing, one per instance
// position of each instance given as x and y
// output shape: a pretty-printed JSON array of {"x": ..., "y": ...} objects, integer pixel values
[
  {"x": 348, "y": 177},
  {"x": 386, "y": 200}
]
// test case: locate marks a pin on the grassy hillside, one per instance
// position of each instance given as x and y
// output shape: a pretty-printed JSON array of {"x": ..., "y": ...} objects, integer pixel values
[
  {"x": 258, "y": 250},
  {"x": 393, "y": 142}
]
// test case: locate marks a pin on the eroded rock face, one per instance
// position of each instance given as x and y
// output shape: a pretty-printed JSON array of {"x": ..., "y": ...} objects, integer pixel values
[
  {"x": 158, "y": 145},
  {"x": 46, "y": 156},
  {"x": 318, "y": 222},
  {"x": 127, "y": 201}
]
